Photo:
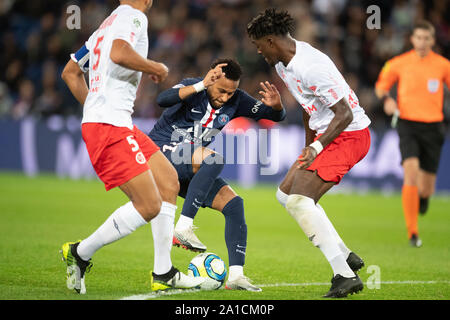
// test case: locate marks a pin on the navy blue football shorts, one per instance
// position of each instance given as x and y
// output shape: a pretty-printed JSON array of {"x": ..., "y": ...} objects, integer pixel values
[{"x": 181, "y": 159}]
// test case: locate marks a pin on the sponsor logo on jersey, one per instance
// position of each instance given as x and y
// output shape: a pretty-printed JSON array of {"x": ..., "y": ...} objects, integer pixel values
[
  {"x": 309, "y": 109},
  {"x": 255, "y": 108}
]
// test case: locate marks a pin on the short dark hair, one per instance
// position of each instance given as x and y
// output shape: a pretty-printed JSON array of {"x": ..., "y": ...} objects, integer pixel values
[
  {"x": 233, "y": 70},
  {"x": 425, "y": 25},
  {"x": 270, "y": 22}
]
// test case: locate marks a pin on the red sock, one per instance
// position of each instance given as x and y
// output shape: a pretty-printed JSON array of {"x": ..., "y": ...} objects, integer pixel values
[{"x": 410, "y": 202}]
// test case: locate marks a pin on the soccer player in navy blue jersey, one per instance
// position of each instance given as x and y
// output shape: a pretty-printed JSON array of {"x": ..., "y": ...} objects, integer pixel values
[{"x": 196, "y": 110}]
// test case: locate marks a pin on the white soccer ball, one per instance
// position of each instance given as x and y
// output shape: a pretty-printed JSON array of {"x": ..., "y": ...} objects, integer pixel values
[{"x": 209, "y": 266}]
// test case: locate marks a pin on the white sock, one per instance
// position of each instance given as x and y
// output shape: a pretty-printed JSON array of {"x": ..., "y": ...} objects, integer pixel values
[
  {"x": 162, "y": 230},
  {"x": 282, "y": 198},
  {"x": 184, "y": 222},
  {"x": 345, "y": 251},
  {"x": 235, "y": 272},
  {"x": 340, "y": 266},
  {"x": 120, "y": 223},
  {"x": 307, "y": 215}
]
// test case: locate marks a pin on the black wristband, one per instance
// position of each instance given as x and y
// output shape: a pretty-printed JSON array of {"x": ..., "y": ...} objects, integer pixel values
[{"x": 383, "y": 98}]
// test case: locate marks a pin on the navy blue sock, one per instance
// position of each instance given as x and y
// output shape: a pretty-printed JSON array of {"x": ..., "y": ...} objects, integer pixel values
[
  {"x": 201, "y": 183},
  {"x": 235, "y": 231}
]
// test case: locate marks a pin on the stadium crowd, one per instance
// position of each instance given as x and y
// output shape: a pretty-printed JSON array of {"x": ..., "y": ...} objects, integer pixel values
[{"x": 187, "y": 35}]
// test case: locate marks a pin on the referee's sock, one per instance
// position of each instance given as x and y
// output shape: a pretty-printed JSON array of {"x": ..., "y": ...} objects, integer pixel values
[
  {"x": 410, "y": 203},
  {"x": 423, "y": 205}
]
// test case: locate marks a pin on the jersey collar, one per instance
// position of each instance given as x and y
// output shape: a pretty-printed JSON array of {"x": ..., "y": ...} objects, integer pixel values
[{"x": 297, "y": 52}]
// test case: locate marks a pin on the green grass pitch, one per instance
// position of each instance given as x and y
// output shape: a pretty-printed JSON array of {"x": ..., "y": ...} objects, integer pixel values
[{"x": 37, "y": 215}]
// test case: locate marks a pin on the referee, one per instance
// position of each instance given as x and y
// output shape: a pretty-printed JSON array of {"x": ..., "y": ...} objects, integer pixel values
[{"x": 420, "y": 75}]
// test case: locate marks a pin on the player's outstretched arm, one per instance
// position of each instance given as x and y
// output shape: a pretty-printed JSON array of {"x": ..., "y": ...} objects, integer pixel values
[
  {"x": 343, "y": 116},
  {"x": 269, "y": 107},
  {"x": 74, "y": 78},
  {"x": 270, "y": 96},
  {"x": 123, "y": 54}
]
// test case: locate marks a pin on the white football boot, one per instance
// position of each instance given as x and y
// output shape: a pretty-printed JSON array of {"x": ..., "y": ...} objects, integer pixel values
[
  {"x": 187, "y": 239},
  {"x": 241, "y": 283}
]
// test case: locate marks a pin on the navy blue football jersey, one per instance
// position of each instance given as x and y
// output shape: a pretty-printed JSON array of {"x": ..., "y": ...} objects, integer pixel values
[{"x": 194, "y": 120}]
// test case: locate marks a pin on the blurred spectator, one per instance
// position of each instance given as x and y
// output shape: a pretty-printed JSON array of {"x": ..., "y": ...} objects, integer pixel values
[
  {"x": 5, "y": 100},
  {"x": 25, "y": 101},
  {"x": 49, "y": 101},
  {"x": 189, "y": 34},
  {"x": 388, "y": 43}
]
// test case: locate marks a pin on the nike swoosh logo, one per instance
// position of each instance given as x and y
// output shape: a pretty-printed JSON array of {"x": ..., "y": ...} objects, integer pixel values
[{"x": 195, "y": 111}]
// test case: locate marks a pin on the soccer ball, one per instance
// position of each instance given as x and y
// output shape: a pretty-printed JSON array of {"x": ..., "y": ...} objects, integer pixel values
[{"x": 209, "y": 266}]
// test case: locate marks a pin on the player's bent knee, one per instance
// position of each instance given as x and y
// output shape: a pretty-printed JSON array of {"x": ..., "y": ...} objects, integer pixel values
[
  {"x": 303, "y": 210},
  {"x": 175, "y": 187},
  {"x": 410, "y": 180},
  {"x": 281, "y": 197},
  {"x": 237, "y": 201},
  {"x": 215, "y": 160},
  {"x": 297, "y": 205},
  {"x": 426, "y": 193},
  {"x": 235, "y": 208},
  {"x": 171, "y": 188},
  {"x": 149, "y": 210}
]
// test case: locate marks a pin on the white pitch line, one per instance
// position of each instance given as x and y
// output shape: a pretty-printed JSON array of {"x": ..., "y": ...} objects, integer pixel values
[
  {"x": 154, "y": 295},
  {"x": 375, "y": 282}
]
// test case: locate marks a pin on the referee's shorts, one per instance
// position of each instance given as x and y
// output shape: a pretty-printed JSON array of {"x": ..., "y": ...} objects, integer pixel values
[{"x": 422, "y": 140}]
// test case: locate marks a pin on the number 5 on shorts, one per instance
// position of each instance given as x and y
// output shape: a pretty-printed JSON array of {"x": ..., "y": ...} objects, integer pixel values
[{"x": 133, "y": 143}]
